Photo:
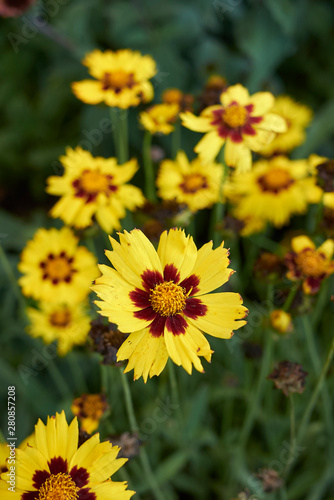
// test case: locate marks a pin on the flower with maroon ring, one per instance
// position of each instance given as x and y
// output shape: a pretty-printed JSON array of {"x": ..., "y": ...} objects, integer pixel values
[
  {"x": 54, "y": 467},
  {"x": 161, "y": 298},
  {"x": 242, "y": 122},
  {"x": 310, "y": 264}
]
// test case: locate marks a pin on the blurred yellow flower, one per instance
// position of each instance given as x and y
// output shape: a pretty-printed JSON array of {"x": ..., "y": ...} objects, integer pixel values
[
  {"x": 89, "y": 409},
  {"x": 193, "y": 183},
  {"x": 94, "y": 187},
  {"x": 273, "y": 190},
  {"x": 122, "y": 78},
  {"x": 162, "y": 299},
  {"x": 242, "y": 122},
  {"x": 310, "y": 264},
  {"x": 281, "y": 321},
  {"x": 67, "y": 324},
  {"x": 297, "y": 117},
  {"x": 55, "y": 269},
  {"x": 160, "y": 118}
]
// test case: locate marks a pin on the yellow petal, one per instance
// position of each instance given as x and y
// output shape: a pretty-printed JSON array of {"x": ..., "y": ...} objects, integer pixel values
[
  {"x": 327, "y": 248},
  {"x": 209, "y": 146},
  {"x": 263, "y": 102},
  {"x": 89, "y": 91},
  {"x": 236, "y": 93},
  {"x": 179, "y": 250},
  {"x": 273, "y": 122},
  {"x": 196, "y": 123},
  {"x": 299, "y": 243},
  {"x": 212, "y": 268},
  {"x": 238, "y": 156}
]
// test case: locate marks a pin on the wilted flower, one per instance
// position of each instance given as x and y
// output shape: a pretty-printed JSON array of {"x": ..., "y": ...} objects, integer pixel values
[
  {"x": 289, "y": 377},
  {"x": 107, "y": 340},
  {"x": 128, "y": 442},
  {"x": 270, "y": 480}
]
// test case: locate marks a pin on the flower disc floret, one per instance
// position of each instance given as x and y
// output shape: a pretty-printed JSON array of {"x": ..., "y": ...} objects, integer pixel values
[
  {"x": 235, "y": 116},
  {"x": 58, "y": 487},
  {"x": 168, "y": 298}
]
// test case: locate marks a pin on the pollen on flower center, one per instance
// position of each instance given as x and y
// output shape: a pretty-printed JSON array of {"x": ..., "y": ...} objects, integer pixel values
[
  {"x": 311, "y": 262},
  {"x": 92, "y": 181},
  {"x": 235, "y": 116},
  {"x": 117, "y": 80},
  {"x": 168, "y": 298},
  {"x": 193, "y": 182},
  {"x": 57, "y": 268},
  {"x": 60, "y": 318},
  {"x": 275, "y": 180},
  {"x": 58, "y": 487}
]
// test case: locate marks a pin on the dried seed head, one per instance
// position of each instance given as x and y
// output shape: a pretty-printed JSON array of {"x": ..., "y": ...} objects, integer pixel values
[{"x": 288, "y": 377}]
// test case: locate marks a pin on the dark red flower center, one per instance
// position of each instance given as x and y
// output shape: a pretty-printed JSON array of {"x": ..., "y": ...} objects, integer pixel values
[
  {"x": 167, "y": 302},
  {"x": 58, "y": 268},
  {"x": 91, "y": 183},
  {"x": 277, "y": 179},
  {"x": 235, "y": 120}
]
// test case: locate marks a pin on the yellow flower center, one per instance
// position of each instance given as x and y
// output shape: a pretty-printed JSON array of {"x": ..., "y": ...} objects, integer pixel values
[
  {"x": 172, "y": 96},
  {"x": 93, "y": 406},
  {"x": 193, "y": 182},
  {"x": 311, "y": 262},
  {"x": 117, "y": 80},
  {"x": 235, "y": 116},
  {"x": 58, "y": 268},
  {"x": 60, "y": 318},
  {"x": 92, "y": 181},
  {"x": 58, "y": 487},
  {"x": 276, "y": 180},
  {"x": 168, "y": 298}
]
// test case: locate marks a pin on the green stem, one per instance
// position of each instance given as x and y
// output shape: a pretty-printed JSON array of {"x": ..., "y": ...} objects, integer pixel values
[
  {"x": 119, "y": 118},
  {"x": 218, "y": 211},
  {"x": 134, "y": 428},
  {"x": 176, "y": 139},
  {"x": 290, "y": 297},
  {"x": 312, "y": 402},
  {"x": 292, "y": 429},
  {"x": 150, "y": 191},
  {"x": 256, "y": 398},
  {"x": 316, "y": 362}
]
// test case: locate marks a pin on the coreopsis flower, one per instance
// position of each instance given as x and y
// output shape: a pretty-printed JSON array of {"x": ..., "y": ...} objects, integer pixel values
[
  {"x": 94, "y": 187},
  {"x": 121, "y": 78},
  {"x": 66, "y": 324},
  {"x": 175, "y": 96},
  {"x": 273, "y": 190},
  {"x": 242, "y": 122},
  {"x": 160, "y": 118},
  {"x": 55, "y": 268},
  {"x": 193, "y": 183},
  {"x": 56, "y": 468},
  {"x": 14, "y": 8},
  {"x": 162, "y": 299},
  {"x": 281, "y": 321},
  {"x": 310, "y": 264},
  {"x": 297, "y": 117},
  {"x": 289, "y": 377},
  {"x": 89, "y": 408}
]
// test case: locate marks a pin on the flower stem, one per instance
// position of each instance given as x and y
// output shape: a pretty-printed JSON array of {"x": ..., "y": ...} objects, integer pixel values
[
  {"x": 148, "y": 168},
  {"x": 292, "y": 429},
  {"x": 290, "y": 297},
  {"x": 176, "y": 139},
  {"x": 135, "y": 428},
  {"x": 312, "y": 403},
  {"x": 218, "y": 211},
  {"x": 119, "y": 119}
]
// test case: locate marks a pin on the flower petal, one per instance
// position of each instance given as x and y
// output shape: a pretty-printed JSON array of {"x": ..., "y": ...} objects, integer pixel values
[
  {"x": 195, "y": 123},
  {"x": 209, "y": 146},
  {"x": 179, "y": 250},
  {"x": 299, "y": 243},
  {"x": 238, "y": 156}
]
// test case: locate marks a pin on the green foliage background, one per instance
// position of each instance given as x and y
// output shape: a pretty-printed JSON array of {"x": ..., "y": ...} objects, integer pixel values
[{"x": 284, "y": 46}]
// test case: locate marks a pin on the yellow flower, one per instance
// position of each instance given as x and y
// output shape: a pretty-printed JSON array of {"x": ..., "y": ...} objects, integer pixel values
[
  {"x": 273, "y": 191},
  {"x": 122, "y": 78},
  {"x": 160, "y": 118},
  {"x": 55, "y": 468},
  {"x": 193, "y": 183},
  {"x": 89, "y": 409},
  {"x": 310, "y": 264},
  {"x": 55, "y": 269},
  {"x": 297, "y": 117},
  {"x": 175, "y": 96},
  {"x": 67, "y": 324},
  {"x": 161, "y": 298},
  {"x": 281, "y": 321},
  {"x": 242, "y": 122},
  {"x": 94, "y": 187}
]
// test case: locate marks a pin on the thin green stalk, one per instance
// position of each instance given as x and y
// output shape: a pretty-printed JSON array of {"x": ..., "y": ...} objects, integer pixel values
[
  {"x": 175, "y": 390},
  {"x": 290, "y": 297},
  {"x": 312, "y": 402},
  {"x": 218, "y": 210},
  {"x": 123, "y": 136},
  {"x": 134, "y": 428},
  {"x": 316, "y": 362},
  {"x": 176, "y": 139},
  {"x": 150, "y": 190},
  {"x": 256, "y": 398},
  {"x": 292, "y": 429},
  {"x": 58, "y": 379}
]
